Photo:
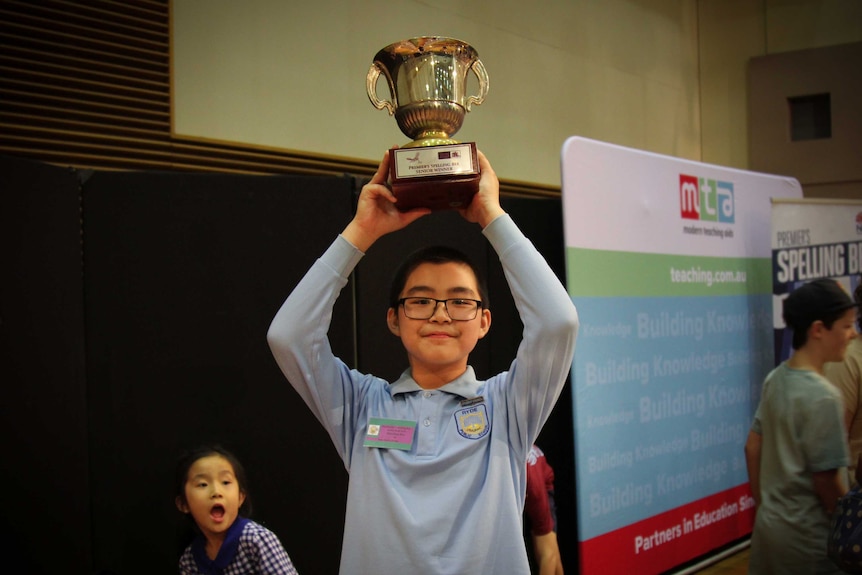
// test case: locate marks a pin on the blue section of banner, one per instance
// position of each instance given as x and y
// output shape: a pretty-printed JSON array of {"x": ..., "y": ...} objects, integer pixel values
[{"x": 664, "y": 390}]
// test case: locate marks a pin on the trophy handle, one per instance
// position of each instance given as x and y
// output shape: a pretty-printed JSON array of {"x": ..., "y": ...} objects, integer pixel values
[
  {"x": 479, "y": 68},
  {"x": 371, "y": 88}
]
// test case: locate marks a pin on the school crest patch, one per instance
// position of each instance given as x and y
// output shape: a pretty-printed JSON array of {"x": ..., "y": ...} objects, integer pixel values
[{"x": 472, "y": 422}]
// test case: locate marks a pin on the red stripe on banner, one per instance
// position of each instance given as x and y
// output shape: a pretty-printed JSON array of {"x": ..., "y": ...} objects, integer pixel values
[{"x": 664, "y": 541}]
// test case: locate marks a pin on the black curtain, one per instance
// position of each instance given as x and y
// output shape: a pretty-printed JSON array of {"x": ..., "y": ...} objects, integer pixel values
[
  {"x": 133, "y": 325},
  {"x": 183, "y": 274},
  {"x": 43, "y": 427}
]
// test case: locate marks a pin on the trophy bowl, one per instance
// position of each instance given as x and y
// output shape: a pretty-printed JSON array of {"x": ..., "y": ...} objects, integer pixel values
[{"x": 427, "y": 81}]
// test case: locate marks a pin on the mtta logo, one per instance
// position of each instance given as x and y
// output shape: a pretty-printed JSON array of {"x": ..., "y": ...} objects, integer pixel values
[{"x": 706, "y": 200}]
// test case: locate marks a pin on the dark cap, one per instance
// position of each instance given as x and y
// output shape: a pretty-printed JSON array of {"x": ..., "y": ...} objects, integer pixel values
[{"x": 821, "y": 299}]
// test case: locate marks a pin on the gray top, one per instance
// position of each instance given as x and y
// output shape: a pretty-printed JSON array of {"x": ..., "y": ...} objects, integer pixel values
[{"x": 800, "y": 418}]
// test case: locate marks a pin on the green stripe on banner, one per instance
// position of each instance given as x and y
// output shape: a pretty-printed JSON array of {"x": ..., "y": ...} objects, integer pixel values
[{"x": 598, "y": 273}]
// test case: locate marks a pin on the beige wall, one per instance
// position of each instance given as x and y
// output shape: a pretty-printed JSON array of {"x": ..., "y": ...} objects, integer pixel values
[
  {"x": 828, "y": 166},
  {"x": 666, "y": 76}
]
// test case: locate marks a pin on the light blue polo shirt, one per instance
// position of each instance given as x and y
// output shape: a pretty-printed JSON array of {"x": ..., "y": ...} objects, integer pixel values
[{"x": 452, "y": 501}]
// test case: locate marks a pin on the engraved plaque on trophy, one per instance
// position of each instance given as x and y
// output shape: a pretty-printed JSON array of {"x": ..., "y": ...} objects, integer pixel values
[{"x": 427, "y": 81}]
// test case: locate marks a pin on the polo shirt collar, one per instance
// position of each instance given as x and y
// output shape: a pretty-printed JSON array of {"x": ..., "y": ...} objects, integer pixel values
[{"x": 465, "y": 385}]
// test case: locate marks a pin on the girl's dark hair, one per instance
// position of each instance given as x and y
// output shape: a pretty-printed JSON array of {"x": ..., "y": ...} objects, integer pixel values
[
  {"x": 434, "y": 255},
  {"x": 188, "y": 458}
]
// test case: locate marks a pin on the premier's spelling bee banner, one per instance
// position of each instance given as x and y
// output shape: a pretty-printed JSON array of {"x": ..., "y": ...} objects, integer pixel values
[
  {"x": 669, "y": 263},
  {"x": 812, "y": 239}
]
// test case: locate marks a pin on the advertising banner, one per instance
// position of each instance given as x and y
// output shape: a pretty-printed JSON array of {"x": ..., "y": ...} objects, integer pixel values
[
  {"x": 669, "y": 263},
  {"x": 812, "y": 239}
]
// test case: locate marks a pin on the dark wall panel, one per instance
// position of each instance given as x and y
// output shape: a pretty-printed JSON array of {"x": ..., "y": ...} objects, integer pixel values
[
  {"x": 183, "y": 274},
  {"x": 45, "y": 519}
]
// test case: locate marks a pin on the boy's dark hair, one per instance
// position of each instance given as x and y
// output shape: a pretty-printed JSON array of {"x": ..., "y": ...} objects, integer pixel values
[
  {"x": 434, "y": 255},
  {"x": 188, "y": 458},
  {"x": 818, "y": 300}
]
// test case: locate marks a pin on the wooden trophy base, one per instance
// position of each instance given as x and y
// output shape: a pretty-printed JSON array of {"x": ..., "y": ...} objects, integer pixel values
[{"x": 444, "y": 177}]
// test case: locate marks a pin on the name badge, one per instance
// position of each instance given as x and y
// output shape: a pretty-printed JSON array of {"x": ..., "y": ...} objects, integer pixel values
[
  {"x": 390, "y": 433},
  {"x": 472, "y": 401}
]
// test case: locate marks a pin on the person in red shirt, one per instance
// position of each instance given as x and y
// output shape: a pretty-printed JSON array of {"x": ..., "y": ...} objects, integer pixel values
[{"x": 541, "y": 513}]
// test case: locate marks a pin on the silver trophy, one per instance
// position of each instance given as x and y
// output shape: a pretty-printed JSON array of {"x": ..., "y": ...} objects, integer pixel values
[{"x": 427, "y": 81}]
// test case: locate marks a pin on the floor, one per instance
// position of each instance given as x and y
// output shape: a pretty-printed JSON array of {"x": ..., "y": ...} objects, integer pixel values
[{"x": 734, "y": 565}]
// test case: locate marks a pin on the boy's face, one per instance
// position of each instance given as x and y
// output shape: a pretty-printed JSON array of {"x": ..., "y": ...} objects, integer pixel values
[
  {"x": 213, "y": 495},
  {"x": 439, "y": 345},
  {"x": 839, "y": 337}
]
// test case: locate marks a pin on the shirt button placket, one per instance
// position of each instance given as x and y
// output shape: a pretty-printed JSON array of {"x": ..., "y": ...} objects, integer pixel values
[{"x": 428, "y": 438}]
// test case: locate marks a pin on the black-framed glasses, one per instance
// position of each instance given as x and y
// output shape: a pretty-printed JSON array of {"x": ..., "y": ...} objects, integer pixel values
[{"x": 458, "y": 308}]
